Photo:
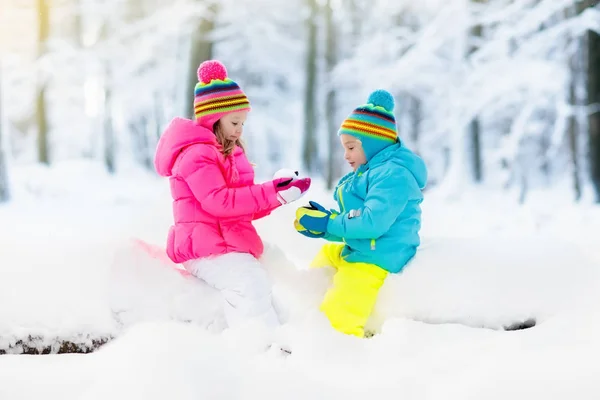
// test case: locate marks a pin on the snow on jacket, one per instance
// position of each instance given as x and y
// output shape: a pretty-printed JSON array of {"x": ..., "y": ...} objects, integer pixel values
[{"x": 215, "y": 199}]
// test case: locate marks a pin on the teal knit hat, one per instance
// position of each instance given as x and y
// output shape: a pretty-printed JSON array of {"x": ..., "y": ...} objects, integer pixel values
[{"x": 373, "y": 124}]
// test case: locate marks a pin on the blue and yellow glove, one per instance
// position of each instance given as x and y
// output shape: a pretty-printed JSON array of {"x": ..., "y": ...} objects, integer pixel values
[
  {"x": 312, "y": 220},
  {"x": 302, "y": 230}
]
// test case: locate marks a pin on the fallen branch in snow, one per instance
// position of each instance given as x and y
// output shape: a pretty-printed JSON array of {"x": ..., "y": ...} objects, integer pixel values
[{"x": 38, "y": 345}]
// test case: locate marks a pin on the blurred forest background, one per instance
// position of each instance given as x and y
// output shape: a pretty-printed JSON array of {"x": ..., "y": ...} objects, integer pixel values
[{"x": 497, "y": 94}]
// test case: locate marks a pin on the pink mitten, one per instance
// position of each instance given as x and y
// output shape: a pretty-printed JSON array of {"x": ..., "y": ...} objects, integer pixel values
[{"x": 290, "y": 189}]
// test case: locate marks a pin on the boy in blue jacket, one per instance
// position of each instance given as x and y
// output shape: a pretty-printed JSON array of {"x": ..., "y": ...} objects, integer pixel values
[{"x": 376, "y": 231}]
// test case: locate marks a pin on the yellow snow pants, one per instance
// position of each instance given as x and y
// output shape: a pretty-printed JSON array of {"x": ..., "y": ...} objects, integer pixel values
[{"x": 350, "y": 301}]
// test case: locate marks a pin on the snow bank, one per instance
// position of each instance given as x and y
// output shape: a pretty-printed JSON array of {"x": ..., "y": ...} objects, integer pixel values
[
  {"x": 58, "y": 239},
  {"x": 53, "y": 289},
  {"x": 481, "y": 282},
  {"x": 490, "y": 281},
  {"x": 69, "y": 271},
  {"x": 145, "y": 288},
  {"x": 72, "y": 273},
  {"x": 409, "y": 360}
]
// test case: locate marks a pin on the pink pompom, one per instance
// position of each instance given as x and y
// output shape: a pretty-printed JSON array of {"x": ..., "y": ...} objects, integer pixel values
[{"x": 210, "y": 70}]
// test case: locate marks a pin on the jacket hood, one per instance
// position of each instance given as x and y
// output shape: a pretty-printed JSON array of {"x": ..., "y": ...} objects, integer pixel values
[
  {"x": 180, "y": 134},
  {"x": 403, "y": 156}
]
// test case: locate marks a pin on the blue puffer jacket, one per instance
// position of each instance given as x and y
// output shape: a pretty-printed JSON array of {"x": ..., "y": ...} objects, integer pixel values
[{"x": 385, "y": 195}]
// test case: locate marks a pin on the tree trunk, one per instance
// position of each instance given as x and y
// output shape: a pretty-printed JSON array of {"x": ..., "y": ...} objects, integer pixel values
[
  {"x": 593, "y": 72},
  {"x": 309, "y": 151},
  {"x": 77, "y": 23},
  {"x": 573, "y": 133},
  {"x": 356, "y": 19},
  {"x": 40, "y": 103},
  {"x": 458, "y": 142},
  {"x": 201, "y": 49},
  {"x": 416, "y": 115},
  {"x": 475, "y": 126},
  {"x": 4, "y": 184},
  {"x": 140, "y": 128},
  {"x": 154, "y": 130},
  {"x": 109, "y": 144},
  {"x": 333, "y": 161},
  {"x": 134, "y": 10},
  {"x": 476, "y": 156},
  {"x": 107, "y": 126},
  {"x": 574, "y": 126}
]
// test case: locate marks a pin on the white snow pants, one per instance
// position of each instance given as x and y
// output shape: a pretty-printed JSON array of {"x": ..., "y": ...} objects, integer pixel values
[{"x": 244, "y": 285}]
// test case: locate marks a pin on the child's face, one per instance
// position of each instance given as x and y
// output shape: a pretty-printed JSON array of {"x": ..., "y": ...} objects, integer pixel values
[
  {"x": 232, "y": 125},
  {"x": 353, "y": 151}
]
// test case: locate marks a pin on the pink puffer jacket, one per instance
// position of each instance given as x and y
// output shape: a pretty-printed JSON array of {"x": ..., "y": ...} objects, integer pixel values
[{"x": 215, "y": 198}]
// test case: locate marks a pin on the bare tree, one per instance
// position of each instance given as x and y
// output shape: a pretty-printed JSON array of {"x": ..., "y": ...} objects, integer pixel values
[
  {"x": 40, "y": 104},
  {"x": 593, "y": 75},
  {"x": 109, "y": 141},
  {"x": 140, "y": 128},
  {"x": 574, "y": 126},
  {"x": 309, "y": 150},
  {"x": 475, "y": 125},
  {"x": 333, "y": 165},
  {"x": 201, "y": 49},
  {"x": 356, "y": 17},
  {"x": 109, "y": 153},
  {"x": 415, "y": 112},
  {"x": 4, "y": 184}
]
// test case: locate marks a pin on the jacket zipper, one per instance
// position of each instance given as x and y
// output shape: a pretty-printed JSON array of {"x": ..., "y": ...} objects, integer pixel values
[
  {"x": 341, "y": 198},
  {"x": 339, "y": 193}
]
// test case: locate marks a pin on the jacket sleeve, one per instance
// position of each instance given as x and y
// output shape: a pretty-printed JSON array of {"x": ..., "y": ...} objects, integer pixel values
[
  {"x": 199, "y": 167},
  {"x": 264, "y": 213},
  {"x": 332, "y": 238},
  {"x": 386, "y": 198}
]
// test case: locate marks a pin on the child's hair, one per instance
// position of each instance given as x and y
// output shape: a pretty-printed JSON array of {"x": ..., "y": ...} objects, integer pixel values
[{"x": 228, "y": 145}]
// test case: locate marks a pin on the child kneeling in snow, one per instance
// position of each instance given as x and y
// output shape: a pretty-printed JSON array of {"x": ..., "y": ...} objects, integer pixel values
[
  {"x": 379, "y": 218},
  {"x": 215, "y": 198}
]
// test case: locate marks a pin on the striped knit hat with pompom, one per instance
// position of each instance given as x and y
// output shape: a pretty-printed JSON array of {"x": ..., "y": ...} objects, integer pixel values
[
  {"x": 215, "y": 95},
  {"x": 373, "y": 124}
]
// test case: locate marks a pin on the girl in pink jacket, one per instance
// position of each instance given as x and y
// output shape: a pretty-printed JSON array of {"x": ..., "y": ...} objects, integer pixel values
[{"x": 215, "y": 198}]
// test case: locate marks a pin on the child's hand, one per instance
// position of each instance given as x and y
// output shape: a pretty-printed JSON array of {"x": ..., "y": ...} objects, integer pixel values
[
  {"x": 290, "y": 189},
  {"x": 314, "y": 218},
  {"x": 311, "y": 234}
]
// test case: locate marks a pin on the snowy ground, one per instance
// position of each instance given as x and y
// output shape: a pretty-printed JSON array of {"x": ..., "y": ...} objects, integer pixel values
[{"x": 70, "y": 271}]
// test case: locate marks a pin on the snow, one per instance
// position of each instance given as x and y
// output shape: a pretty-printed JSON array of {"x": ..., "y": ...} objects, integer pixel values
[
  {"x": 80, "y": 252},
  {"x": 74, "y": 268},
  {"x": 74, "y": 273}
]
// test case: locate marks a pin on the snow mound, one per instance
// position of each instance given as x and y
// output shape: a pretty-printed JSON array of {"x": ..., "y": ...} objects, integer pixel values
[
  {"x": 145, "y": 287},
  {"x": 485, "y": 282},
  {"x": 489, "y": 281},
  {"x": 52, "y": 292}
]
